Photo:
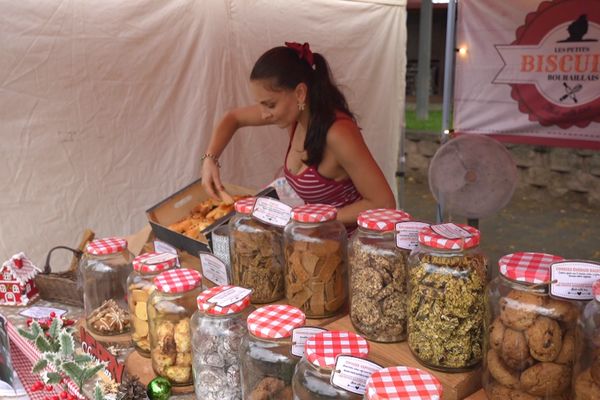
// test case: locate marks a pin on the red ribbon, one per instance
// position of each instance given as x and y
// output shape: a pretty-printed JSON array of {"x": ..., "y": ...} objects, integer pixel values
[{"x": 303, "y": 51}]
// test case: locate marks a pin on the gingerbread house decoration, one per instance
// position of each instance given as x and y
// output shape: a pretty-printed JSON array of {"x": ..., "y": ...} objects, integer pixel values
[{"x": 17, "y": 286}]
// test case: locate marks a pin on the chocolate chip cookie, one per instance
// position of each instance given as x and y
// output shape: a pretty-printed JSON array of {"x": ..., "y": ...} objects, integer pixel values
[
  {"x": 567, "y": 352},
  {"x": 515, "y": 351},
  {"x": 496, "y": 334},
  {"x": 546, "y": 379},
  {"x": 518, "y": 310},
  {"x": 585, "y": 387},
  {"x": 500, "y": 372},
  {"x": 544, "y": 337}
]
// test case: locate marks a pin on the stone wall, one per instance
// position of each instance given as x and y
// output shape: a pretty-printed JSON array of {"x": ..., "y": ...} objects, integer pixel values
[{"x": 549, "y": 171}]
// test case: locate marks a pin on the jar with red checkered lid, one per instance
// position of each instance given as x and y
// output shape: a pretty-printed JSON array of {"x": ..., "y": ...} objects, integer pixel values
[
  {"x": 170, "y": 308},
  {"x": 256, "y": 254},
  {"x": 378, "y": 276},
  {"x": 105, "y": 266},
  {"x": 316, "y": 260},
  {"x": 446, "y": 305},
  {"x": 396, "y": 383},
  {"x": 587, "y": 360},
  {"x": 266, "y": 352},
  {"x": 530, "y": 343},
  {"x": 140, "y": 285}
]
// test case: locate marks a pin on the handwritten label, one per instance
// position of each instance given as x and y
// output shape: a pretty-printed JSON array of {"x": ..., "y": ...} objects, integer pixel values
[
  {"x": 42, "y": 313},
  {"x": 573, "y": 280},
  {"x": 160, "y": 258},
  {"x": 300, "y": 336},
  {"x": 351, "y": 373},
  {"x": 230, "y": 296},
  {"x": 214, "y": 269},
  {"x": 162, "y": 247},
  {"x": 271, "y": 211},
  {"x": 114, "y": 369},
  {"x": 451, "y": 231},
  {"x": 407, "y": 234}
]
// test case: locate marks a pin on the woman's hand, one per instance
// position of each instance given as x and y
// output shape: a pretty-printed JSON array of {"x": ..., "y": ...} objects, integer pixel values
[{"x": 211, "y": 178}]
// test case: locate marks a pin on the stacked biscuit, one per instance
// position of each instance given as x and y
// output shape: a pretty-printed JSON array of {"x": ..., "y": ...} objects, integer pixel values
[
  {"x": 172, "y": 351},
  {"x": 587, "y": 382}
]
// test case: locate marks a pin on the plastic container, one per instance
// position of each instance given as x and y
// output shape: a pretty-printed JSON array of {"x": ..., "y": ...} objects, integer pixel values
[
  {"x": 587, "y": 364},
  {"x": 170, "y": 308},
  {"x": 402, "y": 383},
  {"x": 267, "y": 362},
  {"x": 378, "y": 277},
  {"x": 316, "y": 261},
  {"x": 105, "y": 268},
  {"x": 256, "y": 254},
  {"x": 446, "y": 309}
]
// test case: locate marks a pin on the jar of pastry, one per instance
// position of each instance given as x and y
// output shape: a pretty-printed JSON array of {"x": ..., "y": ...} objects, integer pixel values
[
  {"x": 530, "y": 344},
  {"x": 312, "y": 378},
  {"x": 378, "y": 277},
  {"x": 402, "y": 383},
  {"x": 170, "y": 308},
  {"x": 140, "y": 285},
  {"x": 105, "y": 267},
  {"x": 587, "y": 362},
  {"x": 256, "y": 254},
  {"x": 447, "y": 298},
  {"x": 316, "y": 263},
  {"x": 267, "y": 362},
  {"x": 218, "y": 328}
]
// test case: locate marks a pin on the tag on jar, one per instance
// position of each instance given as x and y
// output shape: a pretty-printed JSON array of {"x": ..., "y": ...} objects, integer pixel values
[
  {"x": 271, "y": 211},
  {"x": 450, "y": 231},
  {"x": 230, "y": 296},
  {"x": 159, "y": 258},
  {"x": 407, "y": 234},
  {"x": 162, "y": 247},
  {"x": 351, "y": 373},
  {"x": 573, "y": 280},
  {"x": 213, "y": 269},
  {"x": 300, "y": 336}
]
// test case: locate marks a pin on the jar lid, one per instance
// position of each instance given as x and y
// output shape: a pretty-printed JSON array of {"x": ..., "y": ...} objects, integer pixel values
[
  {"x": 314, "y": 213},
  {"x": 322, "y": 348},
  {"x": 103, "y": 247},
  {"x": 381, "y": 219},
  {"x": 154, "y": 262},
  {"x": 428, "y": 236},
  {"x": 596, "y": 289},
  {"x": 178, "y": 280},
  {"x": 245, "y": 205},
  {"x": 230, "y": 297},
  {"x": 275, "y": 321},
  {"x": 527, "y": 267},
  {"x": 398, "y": 383}
]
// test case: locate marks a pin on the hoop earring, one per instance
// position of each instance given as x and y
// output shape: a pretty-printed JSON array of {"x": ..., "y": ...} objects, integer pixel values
[{"x": 301, "y": 106}]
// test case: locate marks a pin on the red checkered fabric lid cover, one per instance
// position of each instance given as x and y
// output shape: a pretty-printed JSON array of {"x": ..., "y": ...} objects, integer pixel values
[
  {"x": 178, "y": 280},
  {"x": 207, "y": 307},
  {"x": 430, "y": 238},
  {"x": 275, "y": 321},
  {"x": 596, "y": 289},
  {"x": 322, "y": 348},
  {"x": 381, "y": 219},
  {"x": 400, "y": 383},
  {"x": 527, "y": 267},
  {"x": 102, "y": 247},
  {"x": 245, "y": 206},
  {"x": 314, "y": 213},
  {"x": 152, "y": 262}
]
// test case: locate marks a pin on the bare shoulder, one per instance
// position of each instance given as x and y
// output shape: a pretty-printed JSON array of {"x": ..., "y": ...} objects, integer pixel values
[{"x": 344, "y": 132}]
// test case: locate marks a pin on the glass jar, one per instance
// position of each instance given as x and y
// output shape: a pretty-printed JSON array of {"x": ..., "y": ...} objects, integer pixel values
[
  {"x": 256, "y": 254},
  {"x": 378, "y": 277},
  {"x": 218, "y": 328},
  {"x": 446, "y": 307},
  {"x": 170, "y": 308},
  {"x": 267, "y": 362},
  {"x": 312, "y": 378},
  {"x": 403, "y": 383},
  {"x": 587, "y": 364},
  {"x": 530, "y": 341},
  {"x": 316, "y": 263},
  {"x": 140, "y": 285},
  {"x": 106, "y": 266}
]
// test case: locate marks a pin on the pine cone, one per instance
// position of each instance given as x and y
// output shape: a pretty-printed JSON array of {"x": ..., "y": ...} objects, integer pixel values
[{"x": 131, "y": 389}]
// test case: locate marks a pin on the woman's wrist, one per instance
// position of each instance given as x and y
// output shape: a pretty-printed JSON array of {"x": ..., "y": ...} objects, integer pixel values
[{"x": 210, "y": 156}]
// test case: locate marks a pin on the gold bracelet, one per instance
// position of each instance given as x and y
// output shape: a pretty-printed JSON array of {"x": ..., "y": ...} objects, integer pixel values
[{"x": 212, "y": 157}]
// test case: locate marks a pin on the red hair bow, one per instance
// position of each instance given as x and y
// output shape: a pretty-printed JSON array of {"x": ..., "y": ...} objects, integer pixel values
[{"x": 303, "y": 51}]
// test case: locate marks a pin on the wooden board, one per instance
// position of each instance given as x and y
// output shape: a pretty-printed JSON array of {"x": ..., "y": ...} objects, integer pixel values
[
  {"x": 479, "y": 395},
  {"x": 456, "y": 386},
  {"x": 141, "y": 367}
]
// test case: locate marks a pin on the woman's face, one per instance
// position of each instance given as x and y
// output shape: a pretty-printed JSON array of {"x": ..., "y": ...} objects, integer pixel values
[{"x": 279, "y": 107}]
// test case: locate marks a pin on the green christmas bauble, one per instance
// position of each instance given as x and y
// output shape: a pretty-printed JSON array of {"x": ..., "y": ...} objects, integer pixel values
[{"x": 159, "y": 388}]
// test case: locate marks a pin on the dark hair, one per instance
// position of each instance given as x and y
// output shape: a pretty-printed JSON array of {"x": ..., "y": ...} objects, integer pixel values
[{"x": 285, "y": 69}]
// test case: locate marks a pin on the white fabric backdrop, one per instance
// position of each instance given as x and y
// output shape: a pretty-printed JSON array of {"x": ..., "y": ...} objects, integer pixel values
[{"x": 106, "y": 107}]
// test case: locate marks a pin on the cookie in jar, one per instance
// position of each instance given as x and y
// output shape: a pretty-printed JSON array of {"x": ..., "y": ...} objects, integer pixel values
[
  {"x": 170, "y": 308},
  {"x": 587, "y": 364}
]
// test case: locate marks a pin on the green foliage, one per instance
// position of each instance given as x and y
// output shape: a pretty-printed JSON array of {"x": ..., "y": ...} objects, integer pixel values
[
  {"x": 82, "y": 358},
  {"x": 67, "y": 344},
  {"x": 39, "y": 366},
  {"x": 431, "y": 124},
  {"x": 43, "y": 345},
  {"x": 53, "y": 378},
  {"x": 33, "y": 332},
  {"x": 55, "y": 328},
  {"x": 98, "y": 394}
]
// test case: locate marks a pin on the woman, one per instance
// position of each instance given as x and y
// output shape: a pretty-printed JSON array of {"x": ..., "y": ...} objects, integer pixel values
[{"x": 327, "y": 160}]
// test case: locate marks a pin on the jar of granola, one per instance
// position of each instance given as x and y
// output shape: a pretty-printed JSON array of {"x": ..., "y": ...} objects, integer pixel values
[
  {"x": 218, "y": 328},
  {"x": 378, "y": 277},
  {"x": 446, "y": 307},
  {"x": 587, "y": 364},
  {"x": 140, "y": 285},
  {"x": 530, "y": 341},
  {"x": 170, "y": 308},
  {"x": 316, "y": 263},
  {"x": 267, "y": 362},
  {"x": 105, "y": 267},
  {"x": 256, "y": 254},
  {"x": 402, "y": 383}
]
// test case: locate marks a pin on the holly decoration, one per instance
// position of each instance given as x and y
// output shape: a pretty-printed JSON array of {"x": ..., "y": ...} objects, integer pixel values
[{"x": 159, "y": 388}]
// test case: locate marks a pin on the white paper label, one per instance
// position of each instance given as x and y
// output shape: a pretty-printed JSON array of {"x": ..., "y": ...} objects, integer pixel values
[
  {"x": 213, "y": 269},
  {"x": 407, "y": 234},
  {"x": 451, "y": 231},
  {"x": 36, "y": 312},
  {"x": 573, "y": 279},
  {"x": 351, "y": 373},
  {"x": 160, "y": 258},
  {"x": 272, "y": 211},
  {"x": 230, "y": 296},
  {"x": 300, "y": 336},
  {"x": 162, "y": 247}
]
